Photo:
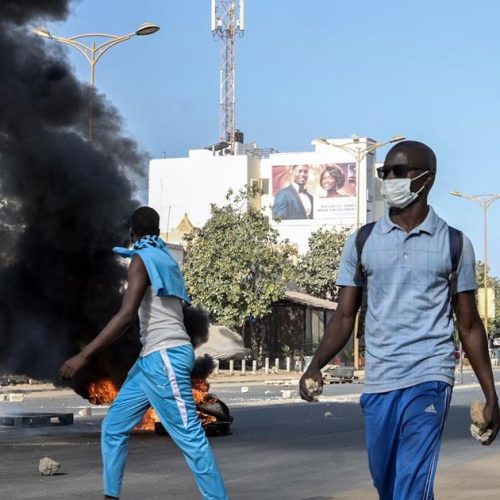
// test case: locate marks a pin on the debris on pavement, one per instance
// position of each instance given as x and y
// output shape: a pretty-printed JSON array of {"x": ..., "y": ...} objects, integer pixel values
[{"x": 48, "y": 467}]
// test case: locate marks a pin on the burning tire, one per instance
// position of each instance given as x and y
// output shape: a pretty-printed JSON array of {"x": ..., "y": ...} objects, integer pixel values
[{"x": 214, "y": 415}]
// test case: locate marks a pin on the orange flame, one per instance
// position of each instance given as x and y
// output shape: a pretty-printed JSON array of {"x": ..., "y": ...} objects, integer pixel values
[
  {"x": 148, "y": 422},
  {"x": 104, "y": 392},
  {"x": 200, "y": 390},
  {"x": 201, "y": 395}
]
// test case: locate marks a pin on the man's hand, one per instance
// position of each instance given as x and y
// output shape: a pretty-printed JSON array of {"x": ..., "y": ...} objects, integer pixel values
[
  {"x": 491, "y": 420},
  {"x": 72, "y": 365},
  {"x": 311, "y": 384}
]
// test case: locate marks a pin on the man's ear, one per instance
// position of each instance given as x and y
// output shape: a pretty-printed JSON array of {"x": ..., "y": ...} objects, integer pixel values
[{"x": 429, "y": 181}]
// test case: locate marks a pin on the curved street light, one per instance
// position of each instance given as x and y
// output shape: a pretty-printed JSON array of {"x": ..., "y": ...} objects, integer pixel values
[
  {"x": 93, "y": 53},
  {"x": 485, "y": 200},
  {"x": 360, "y": 150}
]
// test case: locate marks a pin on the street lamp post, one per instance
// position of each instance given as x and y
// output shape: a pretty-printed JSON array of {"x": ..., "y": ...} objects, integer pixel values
[
  {"x": 485, "y": 200},
  {"x": 360, "y": 151},
  {"x": 93, "y": 53}
]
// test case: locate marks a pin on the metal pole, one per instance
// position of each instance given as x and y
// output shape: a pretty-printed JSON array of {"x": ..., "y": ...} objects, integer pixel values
[
  {"x": 168, "y": 222},
  {"x": 485, "y": 200},
  {"x": 360, "y": 154},
  {"x": 93, "y": 53},
  {"x": 356, "y": 322},
  {"x": 358, "y": 208},
  {"x": 461, "y": 364},
  {"x": 485, "y": 270},
  {"x": 91, "y": 94}
]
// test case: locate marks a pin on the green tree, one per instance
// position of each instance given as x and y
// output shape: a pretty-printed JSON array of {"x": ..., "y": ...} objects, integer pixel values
[
  {"x": 317, "y": 270},
  {"x": 235, "y": 266},
  {"x": 493, "y": 282}
]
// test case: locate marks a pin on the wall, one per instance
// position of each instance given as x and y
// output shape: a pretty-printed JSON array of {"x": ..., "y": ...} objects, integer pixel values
[{"x": 188, "y": 185}]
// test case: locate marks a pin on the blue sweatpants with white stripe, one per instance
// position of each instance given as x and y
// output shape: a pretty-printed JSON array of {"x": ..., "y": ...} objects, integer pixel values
[
  {"x": 161, "y": 380},
  {"x": 403, "y": 436}
]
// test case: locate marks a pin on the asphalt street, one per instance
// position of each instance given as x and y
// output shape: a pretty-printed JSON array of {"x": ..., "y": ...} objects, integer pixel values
[{"x": 279, "y": 448}]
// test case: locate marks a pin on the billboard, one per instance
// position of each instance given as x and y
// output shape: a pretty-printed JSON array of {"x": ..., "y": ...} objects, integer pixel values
[{"x": 315, "y": 191}]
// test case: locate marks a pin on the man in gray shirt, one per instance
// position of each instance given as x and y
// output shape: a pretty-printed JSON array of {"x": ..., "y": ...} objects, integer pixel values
[{"x": 409, "y": 329}]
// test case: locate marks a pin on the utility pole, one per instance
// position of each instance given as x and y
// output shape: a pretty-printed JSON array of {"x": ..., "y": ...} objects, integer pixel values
[
  {"x": 93, "y": 52},
  {"x": 228, "y": 22}
]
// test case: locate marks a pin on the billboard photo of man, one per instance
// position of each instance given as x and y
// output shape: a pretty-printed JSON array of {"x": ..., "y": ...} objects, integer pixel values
[{"x": 293, "y": 201}]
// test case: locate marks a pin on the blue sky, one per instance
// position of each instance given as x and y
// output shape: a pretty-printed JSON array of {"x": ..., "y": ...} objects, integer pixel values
[{"x": 428, "y": 70}]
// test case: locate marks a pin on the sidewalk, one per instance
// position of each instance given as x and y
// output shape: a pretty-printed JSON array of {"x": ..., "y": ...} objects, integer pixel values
[
  {"x": 478, "y": 479},
  {"x": 223, "y": 377},
  {"x": 237, "y": 377},
  {"x": 259, "y": 377}
]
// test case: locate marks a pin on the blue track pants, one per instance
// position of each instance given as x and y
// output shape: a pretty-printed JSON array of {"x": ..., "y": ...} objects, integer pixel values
[
  {"x": 161, "y": 380},
  {"x": 403, "y": 437}
]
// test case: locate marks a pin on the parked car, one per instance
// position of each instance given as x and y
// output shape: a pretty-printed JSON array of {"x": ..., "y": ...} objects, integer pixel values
[
  {"x": 495, "y": 342},
  {"x": 335, "y": 374},
  {"x": 13, "y": 380}
]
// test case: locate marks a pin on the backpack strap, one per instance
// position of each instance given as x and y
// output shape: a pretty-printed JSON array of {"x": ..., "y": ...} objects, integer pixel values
[
  {"x": 456, "y": 248},
  {"x": 361, "y": 237}
]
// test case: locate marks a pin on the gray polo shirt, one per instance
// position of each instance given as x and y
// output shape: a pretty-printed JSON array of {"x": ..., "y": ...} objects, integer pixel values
[{"x": 409, "y": 323}]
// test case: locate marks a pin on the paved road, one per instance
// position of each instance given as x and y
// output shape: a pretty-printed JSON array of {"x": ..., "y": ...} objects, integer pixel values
[
  {"x": 287, "y": 450},
  {"x": 274, "y": 391}
]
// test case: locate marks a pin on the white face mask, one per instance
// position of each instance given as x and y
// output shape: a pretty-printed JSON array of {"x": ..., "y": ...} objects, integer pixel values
[{"x": 397, "y": 192}]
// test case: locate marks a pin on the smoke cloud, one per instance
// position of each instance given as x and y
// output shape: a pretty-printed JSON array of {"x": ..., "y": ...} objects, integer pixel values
[
  {"x": 12, "y": 11},
  {"x": 64, "y": 203}
]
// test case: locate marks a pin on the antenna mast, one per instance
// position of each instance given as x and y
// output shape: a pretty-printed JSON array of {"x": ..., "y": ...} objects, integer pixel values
[{"x": 228, "y": 21}]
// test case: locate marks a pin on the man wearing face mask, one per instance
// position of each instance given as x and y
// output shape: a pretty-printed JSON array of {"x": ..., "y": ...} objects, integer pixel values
[{"x": 409, "y": 327}]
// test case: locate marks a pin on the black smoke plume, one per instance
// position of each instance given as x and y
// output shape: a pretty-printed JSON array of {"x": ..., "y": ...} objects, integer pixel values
[
  {"x": 197, "y": 324},
  {"x": 64, "y": 203},
  {"x": 203, "y": 367}
]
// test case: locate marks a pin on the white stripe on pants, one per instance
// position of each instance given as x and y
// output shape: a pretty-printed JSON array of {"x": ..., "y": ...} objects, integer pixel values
[{"x": 161, "y": 380}]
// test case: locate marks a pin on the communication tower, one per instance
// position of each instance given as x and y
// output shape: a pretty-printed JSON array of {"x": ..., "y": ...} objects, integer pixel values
[{"x": 228, "y": 21}]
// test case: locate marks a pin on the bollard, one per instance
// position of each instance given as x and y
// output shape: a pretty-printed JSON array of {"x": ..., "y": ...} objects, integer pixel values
[
  {"x": 231, "y": 366},
  {"x": 254, "y": 366},
  {"x": 216, "y": 369},
  {"x": 288, "y": 364},
  {"x": 243, "y": 366},
  {"x": 276, "y": 364},
  {"x": 266, "y": 366}
]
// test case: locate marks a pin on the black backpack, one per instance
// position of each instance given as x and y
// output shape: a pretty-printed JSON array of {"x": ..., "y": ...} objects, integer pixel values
[{"x": 456, "y": 247}]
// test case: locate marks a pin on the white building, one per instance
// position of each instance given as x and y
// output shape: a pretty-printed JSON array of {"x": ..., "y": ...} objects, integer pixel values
[{"x": 180, "y": 186}]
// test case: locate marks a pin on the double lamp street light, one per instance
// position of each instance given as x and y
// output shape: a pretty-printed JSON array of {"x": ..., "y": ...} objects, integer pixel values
[
  {"x": 93, "y": 53},
  {"x": 359, "y": 150},
  {"x": 485, "y": 200}
]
